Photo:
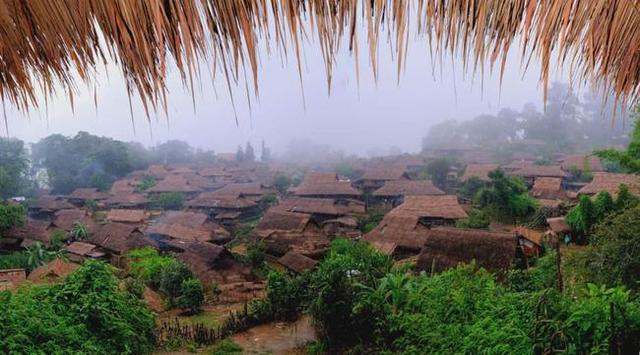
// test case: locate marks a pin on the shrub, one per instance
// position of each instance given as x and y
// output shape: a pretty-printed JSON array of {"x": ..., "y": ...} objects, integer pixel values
[
  {"x": 147, "y": 264},
  {"x": 171, "y": 278},
  {"x": 169, "y": 201},
  {"x": 282, "y": 183},
  {"x": 256, "y": 254},
  {"x": 86, "y": 313},
  {"x": 191, "y": 296},
  {"x": 79, "y": 232},
  {"x": 226, "y": 347},
  {"x": 506, "y": 195},
  {"x": 269, "y": 199},
  {"x": 471, "y": 187},
  {"x": 11, "y": 215},
  {"x": 477, "y": 220},
  {"x": 134, "y": 286},
  {"x": 146, "y": 183}
]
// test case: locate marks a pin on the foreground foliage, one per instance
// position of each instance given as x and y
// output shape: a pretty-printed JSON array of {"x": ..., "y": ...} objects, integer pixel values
[
  {"x": 362, "y": 304},
  {"x": 85, "y": 314}
]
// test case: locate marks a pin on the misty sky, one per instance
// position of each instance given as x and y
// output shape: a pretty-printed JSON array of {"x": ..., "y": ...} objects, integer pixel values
[{"x": 362, "y": 121}]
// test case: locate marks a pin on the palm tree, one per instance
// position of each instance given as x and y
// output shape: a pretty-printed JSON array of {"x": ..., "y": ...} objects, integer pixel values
[{"x": 79, "y": 231}]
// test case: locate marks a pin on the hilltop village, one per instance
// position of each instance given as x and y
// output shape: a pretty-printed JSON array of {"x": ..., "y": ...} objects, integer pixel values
[{"x": 202, "y": 241}]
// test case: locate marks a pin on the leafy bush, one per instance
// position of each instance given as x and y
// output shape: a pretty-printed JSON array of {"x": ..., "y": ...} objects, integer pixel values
[
  {"x": 370, "y": 220},
  {"x": 168, "y": 201},
  {"x": 506, "y": 195},
  {"x": 471, "y": 187},
  {"x": 79, "y": 231},
  {"x": 612, "y": 258},
  {"x": 146, "y": 183},
  {"x": 147, "y": 264},
  {"x": 171, "y": 278},
  {"x": 282, "y": 183},
  {"x": 191, "y": 295},
  {"x": 269, "y": 199},
  {"x": 86, "y": 313},
  {"x": 11, "y": 215},
  {"x": 256, "y": 254},
  {"x": 226, "y": 347},
  {"x": 477, "y": 220}
]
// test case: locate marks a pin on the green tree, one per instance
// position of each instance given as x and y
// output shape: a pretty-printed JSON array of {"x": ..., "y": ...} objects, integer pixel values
[
  {"x": 477, "y": 220},
  {"x": 171, "y": 278},
  {"x": 169, "y": 200},
  {"x": 439, "y": 170},
  {"x": 471, "y": 187},
  {"x": 14, "y": 168},
  {"x": 191, "y": 296},
  {"x": 506, "y": 195},
  {"x": 627, "y": 159},
  {"x": 11, "y": 215},
  {"x": 256, "y": 254},
  {"x": 582, "y": 217},
  {"x": 612, "y": 257},
  {"x": 249, "y": 153},
  {"x": 282, "y": 182}
]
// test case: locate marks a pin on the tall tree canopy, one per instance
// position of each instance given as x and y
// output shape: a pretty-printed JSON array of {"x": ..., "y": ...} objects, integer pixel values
[{"x": 14, "y": 167}]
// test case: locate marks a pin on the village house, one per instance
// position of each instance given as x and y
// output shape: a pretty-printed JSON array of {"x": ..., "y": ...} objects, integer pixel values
[
  {"x": 157, "y": 171},
  {"x": 174, "y": 183},
  {"x": 225, "y": 209},
  {"x": 559, "y": 230},
  {"x": 10, "y": 279},
  {"x": 325, "y": 185},
  {"x": 127, "y": 216},
  {"x": 80, "y": 196},
  {"x": 27, "y": 234},
  {"x": 123, "y": 186},
  {"x": 582, "y": 162},
  {"x": 548, "y": 191},
  {"x": 187, "y": 226},
  {"x": 283, "y": 231},
  {"x": 403, "y": 231},
  {"x": 610, "y": 182},
  {"x": 375, "y": 178},
  {"x": 127, "y": 200},
  {"x": 52, "y": 272},
  {"x": 530, "y": 172},
  {"x": 297, "y": 263},
  {"x": 66, "y": 219},
  {"x": 211, "y": 263},
  {"x": 46, "y": 205},
  {"x": 393, "y": 192},
  {"x": 480, "y": 171},
  {"x": 445, "y": 248},
  {"x": 78, "y": 252},
  {"x": 253, "y": 191},
  {"x": 217, "y": 173},
  {"x": 116, "y": 239},
  {"x": 335, "y": 217}
]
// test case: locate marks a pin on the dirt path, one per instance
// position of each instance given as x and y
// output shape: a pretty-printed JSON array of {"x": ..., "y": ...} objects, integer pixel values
[{"x": 276, "y": 338}]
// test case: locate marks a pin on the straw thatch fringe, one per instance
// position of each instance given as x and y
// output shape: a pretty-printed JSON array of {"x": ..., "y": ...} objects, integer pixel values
[{"x": 42, "y": 43}]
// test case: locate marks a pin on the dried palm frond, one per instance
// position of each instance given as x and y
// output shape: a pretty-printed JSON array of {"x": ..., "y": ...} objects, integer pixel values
[{"x": 43, "y": 43}]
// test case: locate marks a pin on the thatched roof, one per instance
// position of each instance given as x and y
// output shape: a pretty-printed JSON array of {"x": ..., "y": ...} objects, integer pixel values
[
  {"x": 407, "y": 187},
  {"x": 50, "y": 203},
  {"x": 245, "y": 189},
  {"x": 188, "y": 219},
  {"x": 534, "y": 170},
  {"x": 43, "y": 42},
  {"x": 124, "y": 186},
  {"x": 435, "y": 206},
  {"x": 316, "y": 177},
  {"x": 611, "y": 182},
  {"x": 174, "y": 183},
  {"x": 296, "y": 262},
  {"x": 52, "y": 272},
  {"x": 65, "y": 219},
  {"x": 581, "y": 161},
  {"x": 387, "y": 173},
  {"x": 88, "y": 193},
  {"x": 399, "y": 229},
  {"x": 481, "y": 171},
  {"x": 547, "y": 188},
  {"x": 127, "y": 199},
  {"x": 283, "y": 221},
  {"x": 325, "y": 206},
  {"x": 79, "y": 248},
  {"x": 213, "y": 171},
  {"x": 558, "y": 225},
  {"x": 215, "y": 200},
  {"x": 327, "y": 189},
  {"x": 11, "y": 278},
  {"x": 446, "y": 247},
  {"x": 119, "y": 238},
  {"x": 177, "y": 231},
  {"x": 126, "y": 216},
  {"x": 31, "y": 229}
]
